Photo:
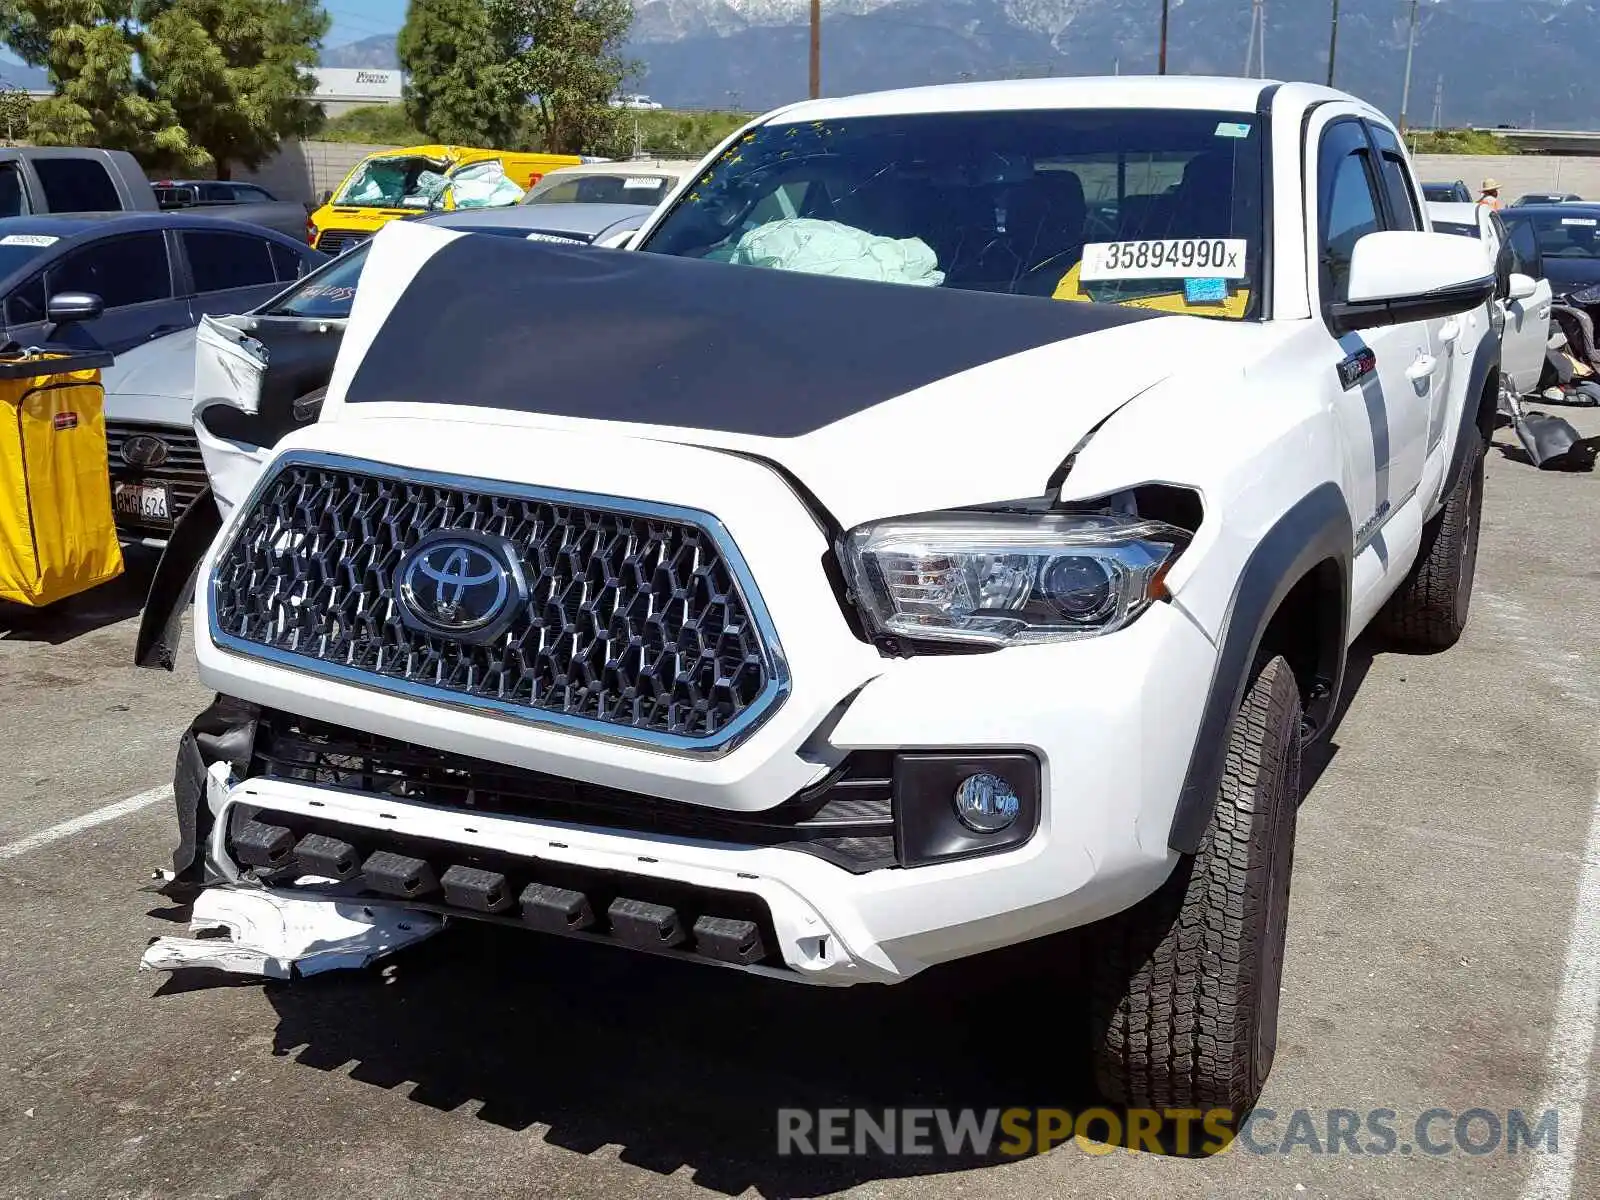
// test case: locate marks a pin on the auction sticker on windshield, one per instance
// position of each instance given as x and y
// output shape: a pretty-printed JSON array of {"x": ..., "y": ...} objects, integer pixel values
[{"x": 1173, "y": 258}]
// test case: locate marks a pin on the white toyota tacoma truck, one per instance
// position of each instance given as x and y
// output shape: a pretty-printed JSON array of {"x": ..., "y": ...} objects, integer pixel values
[{"x": 978, "y": 574}]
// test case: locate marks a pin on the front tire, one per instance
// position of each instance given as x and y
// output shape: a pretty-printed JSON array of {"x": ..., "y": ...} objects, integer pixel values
[
  {"x": 1429, "y": 612},
  {"x": 1186, "y": 983}
]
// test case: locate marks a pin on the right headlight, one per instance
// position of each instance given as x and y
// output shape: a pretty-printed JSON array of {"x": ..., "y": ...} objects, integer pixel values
[{"x": 1001, "y": 579}]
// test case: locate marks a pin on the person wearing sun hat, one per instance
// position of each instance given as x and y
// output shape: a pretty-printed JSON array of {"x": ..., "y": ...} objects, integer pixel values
[{"x": 1491, "y": 193}]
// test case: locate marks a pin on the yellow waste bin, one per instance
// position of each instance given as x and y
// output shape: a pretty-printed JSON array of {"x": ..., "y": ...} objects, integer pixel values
[{"x": 58, "y": 535}]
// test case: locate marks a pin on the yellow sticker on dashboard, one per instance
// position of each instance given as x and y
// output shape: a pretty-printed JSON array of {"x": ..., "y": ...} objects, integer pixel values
[{"x": 1236, "y": 305}]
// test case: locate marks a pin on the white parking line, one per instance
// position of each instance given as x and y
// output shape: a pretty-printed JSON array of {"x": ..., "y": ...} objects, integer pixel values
[
  {"x": 1572, "y": 1040},
  {"x": 87, "y": 821}
]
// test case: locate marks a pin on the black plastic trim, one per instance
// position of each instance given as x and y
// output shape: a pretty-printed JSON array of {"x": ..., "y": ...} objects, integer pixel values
[
  {"x": 1346, "y": 316},
  {"x": 172, "y": 585},
  {"x": 1316, "y": 528},
  {"x": 927, "y": 828},
  {"x": 1269, "y": 263},
  {"x": 1475, "y": 412},
  {"x": 554, "y": 897},
  {"x": 224, "y": 732}
]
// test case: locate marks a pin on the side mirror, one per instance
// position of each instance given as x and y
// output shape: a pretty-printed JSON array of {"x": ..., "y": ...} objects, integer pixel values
[
  {"x": 1523, "y": 287},
  {"x": 1399, "y": 276},
  {"x": 327, "y": 196},
  {"x": 67, "y": 307}
]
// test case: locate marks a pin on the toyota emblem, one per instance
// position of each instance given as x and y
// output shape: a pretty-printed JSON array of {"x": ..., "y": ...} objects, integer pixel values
[{"x": 461, "y": 584}]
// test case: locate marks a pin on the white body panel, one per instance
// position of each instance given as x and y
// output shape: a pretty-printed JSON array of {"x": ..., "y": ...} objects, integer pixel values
[{"x": 1254, "y": 417}]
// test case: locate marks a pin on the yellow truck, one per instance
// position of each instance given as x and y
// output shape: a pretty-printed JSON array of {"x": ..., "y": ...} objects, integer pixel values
[{"x": 394, "y": 184}]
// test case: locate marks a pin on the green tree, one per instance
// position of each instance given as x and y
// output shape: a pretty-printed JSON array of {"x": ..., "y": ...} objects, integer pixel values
[
  {"x": 88, "y": 47},
  {"x": 234, "y": 72},
  {"x": 16, "y": 110},
  {"x": 460, "y": 87},
  {"x": 568, "y": 53}
]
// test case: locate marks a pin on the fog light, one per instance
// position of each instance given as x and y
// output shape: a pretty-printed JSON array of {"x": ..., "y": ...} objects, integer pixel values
[{"x": 986, "y": 803}]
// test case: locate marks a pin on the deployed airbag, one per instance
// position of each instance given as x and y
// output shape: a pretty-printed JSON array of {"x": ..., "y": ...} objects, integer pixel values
[
  {"x": 830, "y": 248},
  {"x": 484, "y": 185}
]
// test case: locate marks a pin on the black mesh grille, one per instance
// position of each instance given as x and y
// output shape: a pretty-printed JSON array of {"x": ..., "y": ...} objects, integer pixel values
[
  {"x": 848, "y": 818},
  {"x": 632, "y": 620},
  {"x": 335, "y": 242}
]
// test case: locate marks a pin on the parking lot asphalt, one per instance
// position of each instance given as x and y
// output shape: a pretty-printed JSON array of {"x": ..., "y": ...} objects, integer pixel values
[{"x": 1440, "y": 957}]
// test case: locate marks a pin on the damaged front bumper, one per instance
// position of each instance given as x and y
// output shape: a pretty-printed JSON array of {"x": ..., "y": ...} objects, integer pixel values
[
  {"x": 876, "y": 901},
  {"x": 279, "y": 935}
]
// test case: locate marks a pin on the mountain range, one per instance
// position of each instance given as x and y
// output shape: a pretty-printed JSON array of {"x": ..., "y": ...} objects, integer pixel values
[{"x": 1500, "y": 62}]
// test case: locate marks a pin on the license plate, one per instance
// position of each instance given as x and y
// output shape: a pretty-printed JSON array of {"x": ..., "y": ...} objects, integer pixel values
[{"x": 142, "y": 501}]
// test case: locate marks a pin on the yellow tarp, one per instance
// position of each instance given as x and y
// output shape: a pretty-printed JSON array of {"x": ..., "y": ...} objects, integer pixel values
[{"x": 58, "y": 535}]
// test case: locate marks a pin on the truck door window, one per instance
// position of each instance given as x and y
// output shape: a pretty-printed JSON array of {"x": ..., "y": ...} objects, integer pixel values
[
  {"x": 1525, "y": 257},
  {"x": 131, "y": 269},
  {"x": 11, "y": 191},
  {"x": 220, "y": 262},
  {"x": 77, "y": 185},
  {"x": 1348, "y": 203},
  {"x": 1403, "y": 210}
]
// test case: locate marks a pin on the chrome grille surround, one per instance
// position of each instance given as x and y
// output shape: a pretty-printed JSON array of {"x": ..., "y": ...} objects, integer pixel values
[{"x": 327, "y": 606}]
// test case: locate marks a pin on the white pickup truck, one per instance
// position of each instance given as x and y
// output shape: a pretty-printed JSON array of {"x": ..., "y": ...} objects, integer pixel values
[{"x": 834, "y": 628}]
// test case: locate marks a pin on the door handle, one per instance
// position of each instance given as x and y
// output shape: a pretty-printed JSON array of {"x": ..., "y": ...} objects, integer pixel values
[
  {"x": 1450, "y": 331},
  {"x": 163, "y": 330},
  {"x": 1423, "y": 368}
]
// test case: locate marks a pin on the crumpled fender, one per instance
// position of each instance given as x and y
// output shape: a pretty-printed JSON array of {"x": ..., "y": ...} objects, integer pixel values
[
  {"x": 224, "y": 733},
  {"x": 172, "y": 585}
]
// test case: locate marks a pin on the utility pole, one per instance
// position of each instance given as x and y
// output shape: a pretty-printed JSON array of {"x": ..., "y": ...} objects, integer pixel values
[
  {"x": 1255, "y": 58},
  {"x": 1250, "y": 47},
  {"x": 816, "y": 48},
  {"x": 1411, "y": 51},
  {"x": 1261, "y": 38},
  {"x": 1333, "y": 43},
  {"x": 1166, "y": 13}
]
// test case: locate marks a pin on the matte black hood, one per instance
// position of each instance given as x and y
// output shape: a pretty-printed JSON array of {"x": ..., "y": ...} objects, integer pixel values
[{"x": 657, "y": 340}]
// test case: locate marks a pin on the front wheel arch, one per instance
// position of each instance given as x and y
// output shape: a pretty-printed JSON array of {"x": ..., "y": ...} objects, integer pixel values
[{"x": 1313, "y": 541}]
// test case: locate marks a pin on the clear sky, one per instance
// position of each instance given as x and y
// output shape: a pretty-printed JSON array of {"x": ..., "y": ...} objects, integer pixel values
[{"x": 357, "y": 19}]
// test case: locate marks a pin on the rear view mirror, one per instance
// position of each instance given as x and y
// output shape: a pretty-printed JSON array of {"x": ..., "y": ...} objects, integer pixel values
[
  {"x": 327, "y": 196},
  {"x": 66, "y": 307},
  {"x": 1523, "y": 287},
  {"x": 1399, "y": 276}
]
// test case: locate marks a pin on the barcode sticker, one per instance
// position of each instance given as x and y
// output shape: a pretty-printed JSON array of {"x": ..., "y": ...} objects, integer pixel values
[
  {"x": 28, "y": 239},
  {"x": 1172, "y": 258}
]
